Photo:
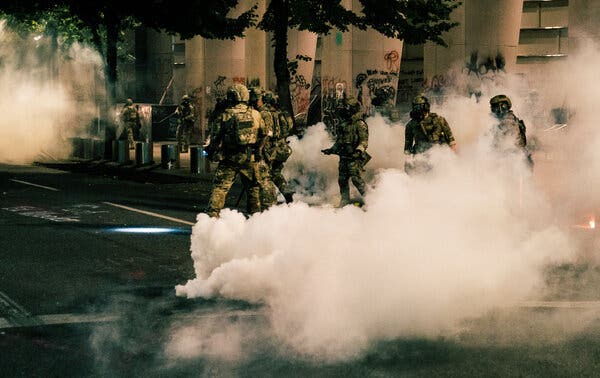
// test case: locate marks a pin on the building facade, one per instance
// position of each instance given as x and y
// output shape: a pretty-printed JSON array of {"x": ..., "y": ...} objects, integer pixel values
[{"x": 525, "y": 37}]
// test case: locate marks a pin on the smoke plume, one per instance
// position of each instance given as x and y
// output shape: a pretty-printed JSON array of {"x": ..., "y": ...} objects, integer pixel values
[
  {"x": 426, "y": 252},
  {"x": 45, "y": 98}
]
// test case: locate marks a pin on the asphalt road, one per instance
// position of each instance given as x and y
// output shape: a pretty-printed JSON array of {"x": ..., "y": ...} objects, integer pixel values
[{"x": 88, "y": 265}]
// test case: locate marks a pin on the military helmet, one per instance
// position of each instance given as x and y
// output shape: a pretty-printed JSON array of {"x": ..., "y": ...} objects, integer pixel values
[
  {"x": 129, "y": 101},
  {"x": 420, "y": 99},
  {"x": 500, "y": 99},
  {"x": 269, "y": 98},
  {"x": 500, "y": 105},
  {"x": 256, "y": 94},
  {"x": 185, "y": 98},
  {"x": 420, "y": 103},
  {"x": 238, "y": 93},
  {"x": 353, "y": 105}
]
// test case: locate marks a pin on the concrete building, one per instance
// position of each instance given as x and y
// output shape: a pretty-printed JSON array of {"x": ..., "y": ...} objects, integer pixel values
[{"x": 517, "y": 36}]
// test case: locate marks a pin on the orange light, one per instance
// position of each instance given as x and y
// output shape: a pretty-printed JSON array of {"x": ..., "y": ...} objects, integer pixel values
[{"x": 590, "y": 225}]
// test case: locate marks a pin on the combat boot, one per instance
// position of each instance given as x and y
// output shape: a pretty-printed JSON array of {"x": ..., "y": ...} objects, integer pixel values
[{"x": 289, "y": 197}]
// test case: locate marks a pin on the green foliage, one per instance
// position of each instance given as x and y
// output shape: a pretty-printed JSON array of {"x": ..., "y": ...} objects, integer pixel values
[
  {"x": 190, "y": 18},
  {"x": 319, "y": 16},
  {"x": 414, "y": 21}
]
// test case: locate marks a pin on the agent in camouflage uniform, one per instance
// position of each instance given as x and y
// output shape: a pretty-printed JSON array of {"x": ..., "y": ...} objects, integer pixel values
[
  {"x": 509, "y": 135},
  {"x": 422, "y": 132},
  {"x": 351, "y": 142},
  {"x": 237, "y": 143},
  {"x": 279, "y": 150},
  {"x": 268, "y": 192},
  {"x": 185, "y": 123},
  {"x": 130, "y": 119}
]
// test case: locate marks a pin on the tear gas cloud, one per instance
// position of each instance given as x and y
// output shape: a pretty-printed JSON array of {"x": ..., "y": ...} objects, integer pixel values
[
  {"x": 426, "y": 252},
  {"x": 44, "y": 99}
]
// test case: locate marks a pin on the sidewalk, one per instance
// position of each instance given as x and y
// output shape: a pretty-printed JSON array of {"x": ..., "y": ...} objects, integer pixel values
[{"x": 153, "y": 172}]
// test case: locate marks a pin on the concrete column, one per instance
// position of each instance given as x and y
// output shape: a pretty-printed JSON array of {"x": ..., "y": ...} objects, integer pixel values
[
  {"x": 583, "y": 22},
  {"x": 225, "y": 64},
  {"x": 366, "y": 62},
  {"x": 194, "y": 84},
  {"x": 194, "y": 63},
  {"x": 302, "y": 43},
  {"x": 159, "y": 68},
  {"x": 255, "y": 50},
  {"x": 437, "y": 60},
  {"x": 492, "y": 30}
]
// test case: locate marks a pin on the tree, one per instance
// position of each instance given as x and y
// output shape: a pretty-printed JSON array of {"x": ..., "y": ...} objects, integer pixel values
[
  {"x": 98, "y": 23},
  {"x": 414, "y": 21},
  {"x": 184, "y": 17}
]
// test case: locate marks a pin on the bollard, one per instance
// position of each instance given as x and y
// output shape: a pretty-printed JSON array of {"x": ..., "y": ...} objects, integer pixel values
[
  {"x": 144, "y": 153},
  {"x": 88, "y": 148},
  {"x": 97, "y": 149},
  {"x": 169, "y": 153},
  {"x": 123, "y": 152},
  {"x": 114, "y": 153},
  {"x": 198, "y": 161},
  {"x": 76, "y": 147}
]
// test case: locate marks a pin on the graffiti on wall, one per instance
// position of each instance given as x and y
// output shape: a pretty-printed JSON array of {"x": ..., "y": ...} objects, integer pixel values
[
  {"x": 410, "y": 82},
  {"x": 331, "y": 89},
  {"x": 299, "y": 86},
  {"x": 485, "y": 66},
  {"x": 377, "y": 87}
]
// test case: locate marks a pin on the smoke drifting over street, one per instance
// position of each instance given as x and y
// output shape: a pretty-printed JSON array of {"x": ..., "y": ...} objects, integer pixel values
[
  {"x": 44, "y": 99},
  {"x": 426, "y": 252}
]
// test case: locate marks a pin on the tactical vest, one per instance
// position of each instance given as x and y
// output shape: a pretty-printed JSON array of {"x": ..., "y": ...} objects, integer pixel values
[
  {"x": 348, "y": 135},
  {"x": 240, "y": 128},
  {"x": 129, "y": 114},
  {"x": 433, "y": 128},
  {"x": 276, "y": 123}
]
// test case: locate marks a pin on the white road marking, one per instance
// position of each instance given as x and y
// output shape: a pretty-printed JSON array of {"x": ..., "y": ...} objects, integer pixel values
[
  {"x": 56, "y": 319},
  {"x": 36, "y": 185},
  {"x": 150, "y": 213},
  {"x": 34, "y": 212},
  {"x": 561, "y": 304}
]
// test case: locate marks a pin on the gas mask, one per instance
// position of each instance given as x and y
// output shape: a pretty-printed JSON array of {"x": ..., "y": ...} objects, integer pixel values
[
  {"x": 418, "y": 111},
  {"x": 500, "y": 109}
]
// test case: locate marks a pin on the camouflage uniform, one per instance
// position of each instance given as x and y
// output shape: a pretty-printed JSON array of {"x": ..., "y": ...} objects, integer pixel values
[
  {"x": 422, "y": 132},
  {"x": 268, "y": 192},
  {"x": 240, "y": 131},
  {"x": 351, "y": 142},
  {"x": 185, "y": 123},
  {"x": 509, "y": 135},
  {"x": 130, "y": 118},
  {"x": 279, "y": 149},
  {"x": 420, "y": 136}
]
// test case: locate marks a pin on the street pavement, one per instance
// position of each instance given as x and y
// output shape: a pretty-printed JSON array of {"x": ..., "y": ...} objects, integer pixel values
[{"x": 90, "y": 254}]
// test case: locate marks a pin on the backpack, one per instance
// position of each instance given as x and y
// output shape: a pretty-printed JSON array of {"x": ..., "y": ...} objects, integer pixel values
[{"x": 240, "y": 129}]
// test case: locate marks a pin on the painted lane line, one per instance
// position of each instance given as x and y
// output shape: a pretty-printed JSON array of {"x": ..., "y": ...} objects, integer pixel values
[
  {"x": 15, "y": 314},
  {"x": 58, "y": 319},
  {"x": 36, "y": 185},
  {"x": 561, "y": 304},
  {"x": 149, "y": 213}
]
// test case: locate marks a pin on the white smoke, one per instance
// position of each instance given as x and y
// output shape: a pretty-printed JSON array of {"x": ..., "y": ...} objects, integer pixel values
[
  {"x": 40, "y": 111},
  {"x": 426, "y": 252}
]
